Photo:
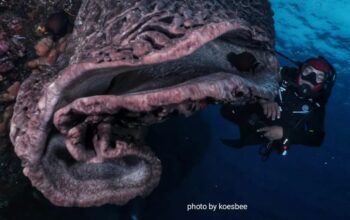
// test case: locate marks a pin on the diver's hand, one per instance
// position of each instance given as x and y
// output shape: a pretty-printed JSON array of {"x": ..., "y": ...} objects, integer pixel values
[
  {"x": 272, "y": 132},
  {"x": 271, "y": 109}
]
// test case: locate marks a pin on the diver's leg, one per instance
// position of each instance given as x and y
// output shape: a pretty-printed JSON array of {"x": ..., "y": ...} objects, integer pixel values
[
  {"x": 228, "y": 112},
  {"x": 245, "y": 117},
  {"x": 242, "y": 114}
]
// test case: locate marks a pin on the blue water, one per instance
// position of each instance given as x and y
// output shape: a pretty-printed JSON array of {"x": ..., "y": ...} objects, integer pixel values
[{"x": 309, "y": 183}]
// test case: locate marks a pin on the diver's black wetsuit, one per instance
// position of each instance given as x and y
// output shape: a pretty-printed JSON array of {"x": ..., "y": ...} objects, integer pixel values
[{"x": 302, "y": 119}]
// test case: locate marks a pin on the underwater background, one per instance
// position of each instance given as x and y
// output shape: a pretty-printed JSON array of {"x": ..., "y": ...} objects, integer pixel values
[{"x": 308, "y": 183}]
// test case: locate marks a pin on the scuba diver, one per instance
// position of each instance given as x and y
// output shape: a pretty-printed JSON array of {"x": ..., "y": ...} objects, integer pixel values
[{"x": 296, "y": 116}]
